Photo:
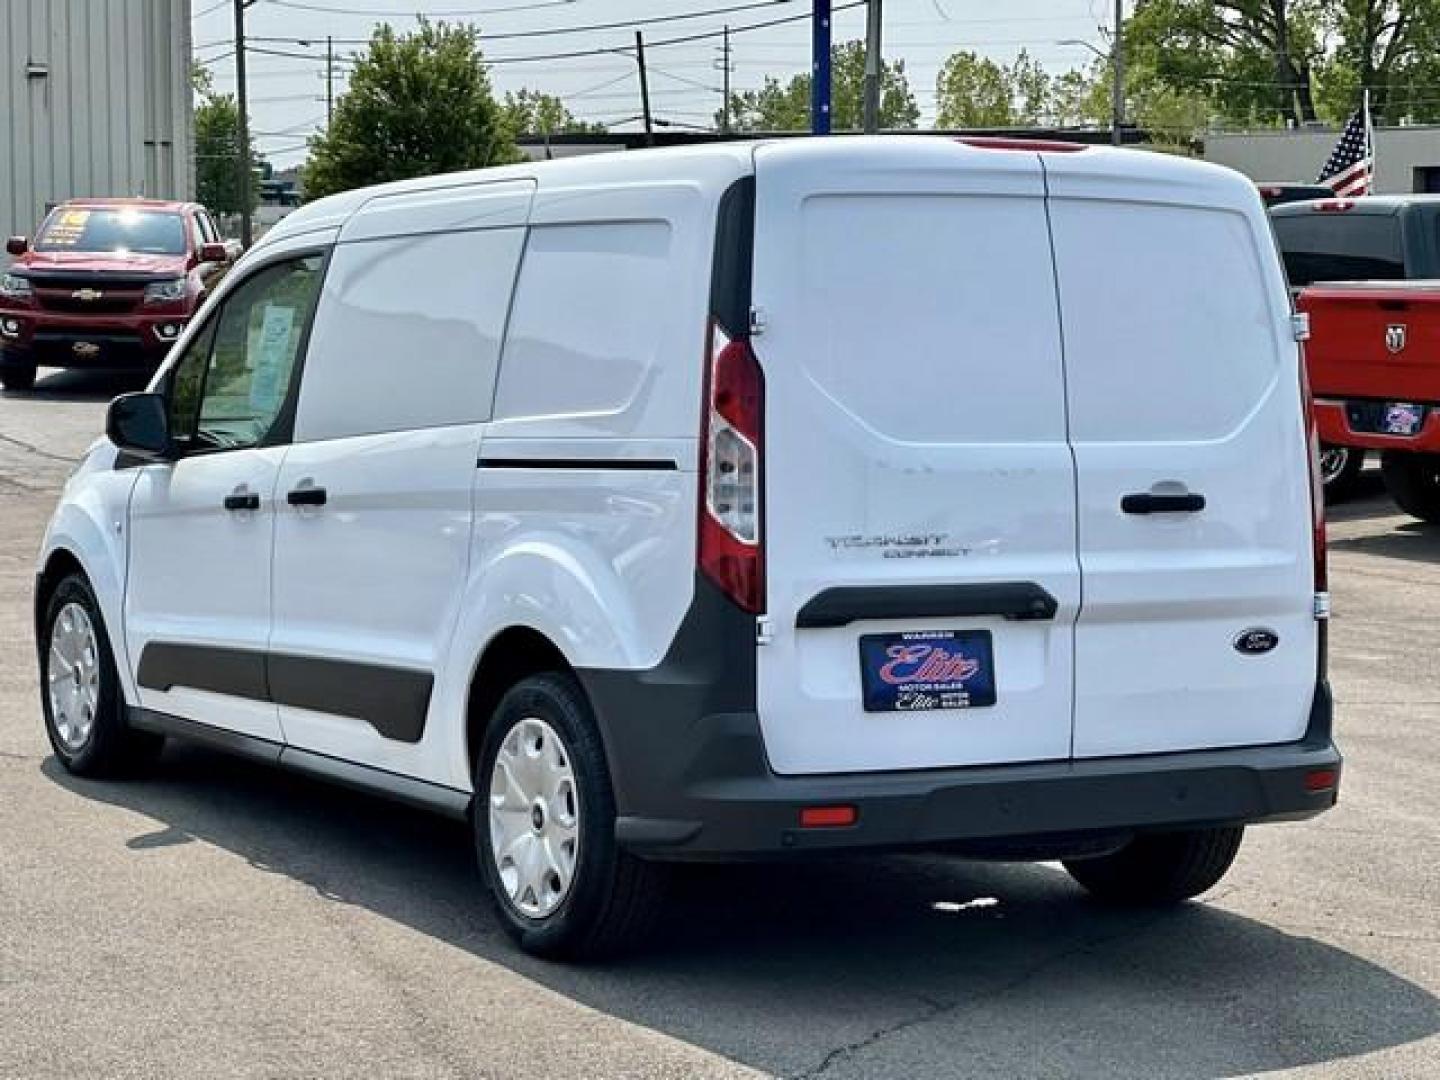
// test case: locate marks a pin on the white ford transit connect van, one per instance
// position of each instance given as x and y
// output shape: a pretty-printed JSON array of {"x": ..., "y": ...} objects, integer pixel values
[{"x": 731, "y": 502}]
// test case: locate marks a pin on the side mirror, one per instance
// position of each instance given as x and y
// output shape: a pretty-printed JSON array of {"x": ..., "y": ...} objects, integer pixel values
[
  {"x": 139, "y": 424},
  {"x": 214, "y": 253},
  {"x": 17, "y": 245}
]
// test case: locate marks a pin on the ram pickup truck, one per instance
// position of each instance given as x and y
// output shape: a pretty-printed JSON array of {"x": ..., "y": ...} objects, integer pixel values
[
  {"x": 1374, "y": 365},
  {"x": 106, "y": 283},
  {"x": 1377, "y": 238}
]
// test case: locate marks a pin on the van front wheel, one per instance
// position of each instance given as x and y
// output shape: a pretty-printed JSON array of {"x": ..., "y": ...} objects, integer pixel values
[
  {"x": 1413, "y": 481},
  {"x": 1160, "y": 868},
  {"x": 544, "y": 826}
]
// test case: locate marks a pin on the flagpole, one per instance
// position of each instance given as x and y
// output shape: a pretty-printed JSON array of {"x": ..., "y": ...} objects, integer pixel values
[{"x": 1370, "y": 144}]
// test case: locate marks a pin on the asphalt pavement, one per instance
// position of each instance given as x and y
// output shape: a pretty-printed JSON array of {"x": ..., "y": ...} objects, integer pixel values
[{"x": 217, "y": 919}]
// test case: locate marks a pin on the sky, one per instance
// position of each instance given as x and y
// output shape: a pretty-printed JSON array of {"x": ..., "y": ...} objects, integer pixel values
[{"x": 287, "y": 92}]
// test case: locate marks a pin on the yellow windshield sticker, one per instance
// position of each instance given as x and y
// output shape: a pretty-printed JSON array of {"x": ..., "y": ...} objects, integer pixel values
[{"x": 66, "y": 228}]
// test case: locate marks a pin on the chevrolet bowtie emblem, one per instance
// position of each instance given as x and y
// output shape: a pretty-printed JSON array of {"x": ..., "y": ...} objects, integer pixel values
[{"x": 87, "y": 294}]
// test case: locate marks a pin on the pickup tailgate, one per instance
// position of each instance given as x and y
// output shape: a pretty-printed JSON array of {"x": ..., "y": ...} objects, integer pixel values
[{"x": 1375, "y": 341}]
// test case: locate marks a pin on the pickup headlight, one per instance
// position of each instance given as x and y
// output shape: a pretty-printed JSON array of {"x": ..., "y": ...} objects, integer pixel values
[
  {"x": 15, "y": 287},
  {"x": 160, "y": 291}
]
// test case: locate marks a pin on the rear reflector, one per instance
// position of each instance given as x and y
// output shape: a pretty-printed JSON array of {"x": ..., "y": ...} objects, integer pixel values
[
  {"x": 1322, "y": 779},
  {"x": 828, "y": 817}
]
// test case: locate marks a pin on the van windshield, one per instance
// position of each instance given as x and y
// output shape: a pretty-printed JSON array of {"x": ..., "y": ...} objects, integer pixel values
[
  {"x": 123, "y": 229},
  {"x": 1340, "y": 246}
]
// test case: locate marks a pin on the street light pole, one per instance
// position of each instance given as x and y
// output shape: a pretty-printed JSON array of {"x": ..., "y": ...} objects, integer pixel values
[
  {"x": 242, "y": 128},
  {"x": 872, "y": 67},
  {"x": 1117, "y": 71}
]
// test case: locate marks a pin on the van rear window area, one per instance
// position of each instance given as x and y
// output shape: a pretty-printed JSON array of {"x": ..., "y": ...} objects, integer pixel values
[{"x": 1340, "y": 246}]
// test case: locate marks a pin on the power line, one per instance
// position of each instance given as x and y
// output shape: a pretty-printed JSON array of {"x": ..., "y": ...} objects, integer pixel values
[{"x": 533, "y": 5}]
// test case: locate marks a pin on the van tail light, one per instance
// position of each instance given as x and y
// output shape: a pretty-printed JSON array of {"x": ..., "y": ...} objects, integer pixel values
[
  {"x": 731, "y": 551},
  {"x": 1317, "y": 496}
]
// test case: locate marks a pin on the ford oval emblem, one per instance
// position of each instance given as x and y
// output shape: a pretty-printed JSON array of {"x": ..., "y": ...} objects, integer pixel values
[{"x": 1256, "y": 640}]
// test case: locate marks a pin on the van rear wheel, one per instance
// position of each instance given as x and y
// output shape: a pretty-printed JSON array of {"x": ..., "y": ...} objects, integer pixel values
[
  {"x": 544, "y": 827},
  {"x": 1160, "y": 868},
  {"x": 1413, "y": 481}
]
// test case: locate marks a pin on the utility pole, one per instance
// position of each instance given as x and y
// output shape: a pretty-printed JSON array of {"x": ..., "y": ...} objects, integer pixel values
[
  {"x": 644, "y": 89},
  {"x": 242, "y": 156},
  {"x": 872, "y": 67},
  {"x": 725, "y": 82},
  {"x": 329, "y": 80},
  {"x": 820, "y": 68},
  {"x": 1117, "y": 69}
]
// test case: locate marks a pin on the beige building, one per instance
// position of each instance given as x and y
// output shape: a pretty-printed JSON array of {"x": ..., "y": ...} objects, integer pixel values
[{"x": 1406, "y": 158}]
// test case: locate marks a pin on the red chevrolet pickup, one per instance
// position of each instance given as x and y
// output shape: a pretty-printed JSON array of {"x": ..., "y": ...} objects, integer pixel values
[
  {"x": 1374, "y": 364},
  {"x": 106, "y": 283}
]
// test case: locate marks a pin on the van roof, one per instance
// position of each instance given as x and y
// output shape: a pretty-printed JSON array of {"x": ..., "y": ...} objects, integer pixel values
[{"x": 1114, "y": 170}]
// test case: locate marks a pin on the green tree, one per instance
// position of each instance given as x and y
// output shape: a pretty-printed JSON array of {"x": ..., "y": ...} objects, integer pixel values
[
  {"x": 418, "y": 104},
  {"x": 531, "y": 112},
  {"x": 217, "y": 143},
  {"x": 974, "y": 91},
  {"x": 778, "y": 106}
]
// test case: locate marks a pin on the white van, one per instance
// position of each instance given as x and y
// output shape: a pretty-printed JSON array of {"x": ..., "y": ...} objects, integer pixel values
[{"x": 728, "y": 502}]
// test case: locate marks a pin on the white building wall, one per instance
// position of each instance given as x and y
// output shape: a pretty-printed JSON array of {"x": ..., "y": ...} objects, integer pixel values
[
  {"x": 1297, "y": 156},
  {"x": 94, "y": 101}
]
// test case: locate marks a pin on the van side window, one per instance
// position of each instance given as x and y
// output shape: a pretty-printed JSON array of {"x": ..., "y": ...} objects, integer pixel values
[
  {"x": 590, "y": 313},
  {"x": 228, "y": 390},
  {"x": 408, "y": 333}
]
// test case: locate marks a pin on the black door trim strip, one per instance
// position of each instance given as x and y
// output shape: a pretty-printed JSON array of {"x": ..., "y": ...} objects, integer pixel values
[
  {"x": 628, "y": 464},
  {"x": 1008, "y": 599},
  {"x": 394, "y": 701},
  {"x": 406, "y": 789}
]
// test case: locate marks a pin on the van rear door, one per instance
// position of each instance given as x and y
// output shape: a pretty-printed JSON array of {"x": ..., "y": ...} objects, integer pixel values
[
  {"x": 919, "y": 491},
  {"x": 1189, "y": 435}
]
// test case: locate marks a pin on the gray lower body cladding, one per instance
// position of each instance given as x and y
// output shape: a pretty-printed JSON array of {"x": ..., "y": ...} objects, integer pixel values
[{"x": 692, "y": 780}]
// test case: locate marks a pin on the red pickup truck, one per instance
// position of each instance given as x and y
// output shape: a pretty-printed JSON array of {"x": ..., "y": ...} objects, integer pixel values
[
  {"x": 107, "y": 283},
  {"x": 1374, "y": 364}
]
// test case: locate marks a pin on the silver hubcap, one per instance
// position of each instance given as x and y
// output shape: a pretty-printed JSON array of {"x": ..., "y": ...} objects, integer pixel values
[
  {"x": 1333, "y": 460},
  {"x": 74, "y": 675},
  {"x": 534, "y": 817}
]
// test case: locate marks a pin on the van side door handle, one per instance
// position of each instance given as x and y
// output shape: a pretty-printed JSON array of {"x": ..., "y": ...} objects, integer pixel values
[
  {"x": 1150, "y": 502},
  {"x": 306, "y": 496},
  {"x": 242, "y": 500}
]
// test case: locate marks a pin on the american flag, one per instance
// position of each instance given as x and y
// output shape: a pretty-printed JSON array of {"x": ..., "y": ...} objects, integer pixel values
[{"x": 1351, "y": 166}]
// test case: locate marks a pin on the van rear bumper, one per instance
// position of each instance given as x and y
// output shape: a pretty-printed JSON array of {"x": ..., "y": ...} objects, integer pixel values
[{"x": 727, "y": 804}]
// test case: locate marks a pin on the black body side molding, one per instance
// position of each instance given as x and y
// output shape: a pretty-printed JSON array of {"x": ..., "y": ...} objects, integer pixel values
[
  {"x": 419, "y": 793},
  {"x": 394, "y": 701},
  {"x": 844, "y": 605}
]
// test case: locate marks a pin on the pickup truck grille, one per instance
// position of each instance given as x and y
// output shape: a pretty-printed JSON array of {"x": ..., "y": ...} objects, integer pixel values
[{"x": 91, "y": 298}]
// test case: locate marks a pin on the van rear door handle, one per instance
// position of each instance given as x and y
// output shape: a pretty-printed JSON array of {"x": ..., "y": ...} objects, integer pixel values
[
  {"x": 242, "y": 500},
  {"x": 1150, "y": 502},
  {"x": 306, "y": 496}
]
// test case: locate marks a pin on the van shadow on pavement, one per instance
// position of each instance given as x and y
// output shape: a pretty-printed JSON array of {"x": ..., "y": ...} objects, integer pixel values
[{"x": 903, "y": 966}]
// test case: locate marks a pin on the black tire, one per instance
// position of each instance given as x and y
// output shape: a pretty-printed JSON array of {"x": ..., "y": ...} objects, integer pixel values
[
  {"x": 1413, "y": 481},
  {"x": 17, "y": 376},
  {"x": 1159, "y": 868},
  {"x": 613, "y": 897},
  {"x": 112, "y": 747},
  {"x": 1340, "y": 468}
]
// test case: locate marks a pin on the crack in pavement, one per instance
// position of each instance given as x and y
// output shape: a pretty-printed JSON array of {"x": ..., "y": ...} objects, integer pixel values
[
  {"x": 940, "y": 1008},
  {"x": 68, "y": 459}
]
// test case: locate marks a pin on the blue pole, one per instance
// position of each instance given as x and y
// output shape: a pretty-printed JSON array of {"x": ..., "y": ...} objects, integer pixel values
[{"x": 820, "y": 69}]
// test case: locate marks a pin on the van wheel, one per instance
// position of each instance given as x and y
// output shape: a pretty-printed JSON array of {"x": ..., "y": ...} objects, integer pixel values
[
  {"x": 544, "y": 826},
  {"x": 17, "y": 376},
  {"x": 80, "y": 689},
  {"x": 1340, "y": 468},
  {"x": 1160, "y": 868},
  {"x": 1413, "y": 481}
]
